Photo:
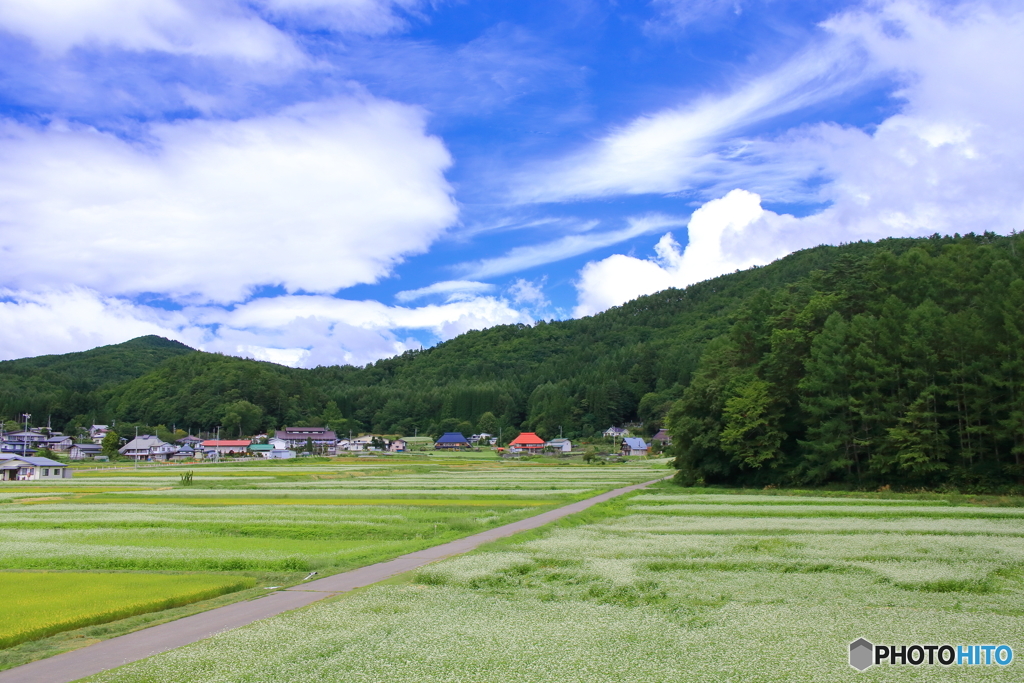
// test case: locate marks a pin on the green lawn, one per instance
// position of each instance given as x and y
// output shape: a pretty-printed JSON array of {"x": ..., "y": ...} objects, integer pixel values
[{"x": 668, "y": 585}]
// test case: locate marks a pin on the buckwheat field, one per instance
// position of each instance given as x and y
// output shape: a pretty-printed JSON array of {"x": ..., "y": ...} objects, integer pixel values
[{"x": 665, "y": 585}]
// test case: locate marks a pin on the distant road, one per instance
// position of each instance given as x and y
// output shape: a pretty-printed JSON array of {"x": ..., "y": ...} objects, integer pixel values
[{"x": 71, "y": 666}]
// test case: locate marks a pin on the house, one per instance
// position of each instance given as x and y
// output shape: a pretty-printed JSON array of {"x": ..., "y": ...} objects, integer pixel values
[
  {"x": 298, "y": 437},
  {"x": 190, "y": 441},
  {"x": 17, "y": 468},
  {"x": 616, "y": 432},
  {"x": 451, "y": 441},
  {"x": 527, "y": 442},
  {"x": 560, "y": 445},
  {"x": 279, "y": 454},
  {"x": 60, "y": 443},
  {"x": 397, "y": 446},
  {"x": 30, "y": 437},
  {"x": 278, "y": 443},
  {"x": 81, "y": 451},
  {"x": 97, "y": 432},
  {"x": 223, "y": 446},
  {"x": 147, "y": 447},
  {"x": 185, "y": 452},
  {"x": 634, "y": 446},
  {"x": 663, "y": 437},
  {"x": 16, "y": 448},
  {"x": 483, "y": 436}
]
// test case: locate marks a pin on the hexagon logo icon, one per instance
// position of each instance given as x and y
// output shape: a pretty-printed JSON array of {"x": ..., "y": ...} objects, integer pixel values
[{"x": 861, "y": 654}]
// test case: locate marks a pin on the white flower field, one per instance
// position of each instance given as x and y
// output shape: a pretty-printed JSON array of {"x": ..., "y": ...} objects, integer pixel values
[{"x": 662, "y": 586}]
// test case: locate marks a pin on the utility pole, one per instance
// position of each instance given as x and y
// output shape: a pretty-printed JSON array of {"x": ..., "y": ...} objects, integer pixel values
[
  {"x": 24, "y": 437},
  {"x": 136, "y": 447}
]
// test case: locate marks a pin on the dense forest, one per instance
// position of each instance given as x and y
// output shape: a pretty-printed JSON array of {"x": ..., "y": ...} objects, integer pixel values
[{"x": 897, "y": 361}]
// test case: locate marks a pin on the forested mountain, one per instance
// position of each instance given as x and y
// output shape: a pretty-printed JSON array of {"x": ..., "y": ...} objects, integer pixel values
[
  {"x": 896, "y": 361},
  {"x": 66, "y": 385}
]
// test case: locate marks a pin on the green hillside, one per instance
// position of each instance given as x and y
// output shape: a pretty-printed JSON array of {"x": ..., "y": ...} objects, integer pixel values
[
  {"x": 63, "y": 385},
  {"x": 865, "y": 363}
]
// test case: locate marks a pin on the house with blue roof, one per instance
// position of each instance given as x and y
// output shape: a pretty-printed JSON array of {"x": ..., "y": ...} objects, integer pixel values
[{"x": 451, "y": 441}]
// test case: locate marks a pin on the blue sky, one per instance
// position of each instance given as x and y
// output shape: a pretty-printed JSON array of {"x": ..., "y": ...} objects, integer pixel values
[{"x": 329, "y": 181}]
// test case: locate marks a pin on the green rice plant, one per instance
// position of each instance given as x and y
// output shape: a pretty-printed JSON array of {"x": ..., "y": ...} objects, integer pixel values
[
  {"x": 186, "y": 478},
  {"x": 39, "y": 604}
]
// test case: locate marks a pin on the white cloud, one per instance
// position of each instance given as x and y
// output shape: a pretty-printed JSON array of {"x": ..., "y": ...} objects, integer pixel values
[
  {"x": 292, "y": 330},
  {"x": 207, "y": 28},
  {"x": 40, "y": 323},
  {"x": 683, "y": 13},
  {"x": 454, "y": 288},
  {"x": 682, "y": 147},
  {"x": 316, "y": 198},
  {"x": 521, "y": 258},
  {"x": 950, "y": 161},
  {"x": 731, "y": 233}
]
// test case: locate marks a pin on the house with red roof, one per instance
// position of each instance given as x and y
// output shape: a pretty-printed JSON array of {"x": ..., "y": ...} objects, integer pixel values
[{"x": 527, "y": 442}]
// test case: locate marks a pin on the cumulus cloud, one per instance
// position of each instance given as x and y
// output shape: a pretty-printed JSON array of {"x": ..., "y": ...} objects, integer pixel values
[
  {"x": 725, "y": 234},
  {"x": 40, "y": 323},
  {"x": 315, "y": 198},
  {"x": 950, "y": 161},
  {"x": 305, "y": 330}
]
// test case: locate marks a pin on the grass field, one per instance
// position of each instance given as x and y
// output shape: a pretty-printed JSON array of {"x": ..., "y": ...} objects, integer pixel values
[
  {"x": 273, "y": 521},
  {"x": 667, "y": 585},
  {"x": 39, "y": 604}
]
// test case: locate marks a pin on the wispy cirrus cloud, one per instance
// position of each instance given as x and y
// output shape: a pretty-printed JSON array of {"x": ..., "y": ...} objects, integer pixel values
[
  {"x": 531, "y": 256},
  {"x": 688, "y": 146},
  {"x": 457, "y": 288}
]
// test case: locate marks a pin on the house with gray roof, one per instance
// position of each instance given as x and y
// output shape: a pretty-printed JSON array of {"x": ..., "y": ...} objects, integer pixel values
[{"x": 635, "y": 446}]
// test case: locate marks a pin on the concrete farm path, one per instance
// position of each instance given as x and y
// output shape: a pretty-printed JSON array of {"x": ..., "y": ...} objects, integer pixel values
[{"x": 76, "y": 664}]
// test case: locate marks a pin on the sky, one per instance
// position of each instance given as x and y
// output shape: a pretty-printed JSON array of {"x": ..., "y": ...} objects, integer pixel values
[{"x": 320, "y": 182}]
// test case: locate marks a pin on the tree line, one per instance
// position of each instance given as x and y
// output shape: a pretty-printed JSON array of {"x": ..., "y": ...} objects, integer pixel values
[{"x": 885, "y": 369}]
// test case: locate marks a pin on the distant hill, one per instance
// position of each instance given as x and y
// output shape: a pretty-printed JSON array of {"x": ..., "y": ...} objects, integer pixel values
[
  {"x": 901, "y": 360},
  {"x": 60, "y": 383}
]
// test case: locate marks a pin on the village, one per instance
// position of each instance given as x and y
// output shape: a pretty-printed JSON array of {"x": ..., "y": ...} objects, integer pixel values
[{"x": 32, "y": 454}]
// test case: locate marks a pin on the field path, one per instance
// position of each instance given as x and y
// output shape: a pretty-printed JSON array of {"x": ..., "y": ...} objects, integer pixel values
[{"x": 71, "y": 666}]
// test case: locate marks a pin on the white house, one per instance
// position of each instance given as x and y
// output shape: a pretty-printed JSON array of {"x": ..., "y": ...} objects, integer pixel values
[
  {"x": 17, "y": 468},
  {"x": 97, "y": 432},
  {"x": 616, "y": 432},
  {"x": 147, "y": 447},
  {"x": 279, "y": 454},
  {"x": 561, "y": 445}
]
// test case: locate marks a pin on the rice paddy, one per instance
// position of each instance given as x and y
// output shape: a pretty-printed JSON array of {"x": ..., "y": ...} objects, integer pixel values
[
  {"x": 284, "y": 519},
  {"x": 664, "y": 585},
  {"x": 38, "y": 604}
]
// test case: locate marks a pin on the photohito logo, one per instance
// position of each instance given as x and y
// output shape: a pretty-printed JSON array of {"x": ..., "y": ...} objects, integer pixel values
[{"x": 864, "y": 654}]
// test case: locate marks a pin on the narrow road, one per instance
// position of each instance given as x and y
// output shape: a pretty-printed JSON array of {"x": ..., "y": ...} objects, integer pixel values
[{"x": 71, "y": 666}]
